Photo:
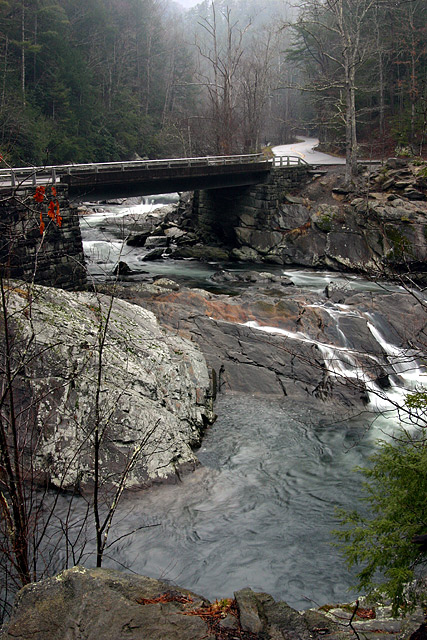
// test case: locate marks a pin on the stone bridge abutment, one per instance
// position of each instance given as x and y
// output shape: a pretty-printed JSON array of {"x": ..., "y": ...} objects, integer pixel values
[
  {"x": 54, "y": 258},
  {"x": 227, "y": 216}
]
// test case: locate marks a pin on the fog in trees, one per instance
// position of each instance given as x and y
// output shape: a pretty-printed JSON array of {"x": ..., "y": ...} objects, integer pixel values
[{"x": 111, "y": 80}]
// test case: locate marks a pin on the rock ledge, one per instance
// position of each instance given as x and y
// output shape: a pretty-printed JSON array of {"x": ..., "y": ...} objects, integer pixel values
[{"x": 102, "y": 603}]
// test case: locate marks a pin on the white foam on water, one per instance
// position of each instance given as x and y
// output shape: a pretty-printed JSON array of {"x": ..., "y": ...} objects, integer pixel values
[
  {"x": 342, "y": 362},
  {"x": 102, "y": 252},
  {"x": 403, "y": 361},
  {"x": 96, "y": 218}
]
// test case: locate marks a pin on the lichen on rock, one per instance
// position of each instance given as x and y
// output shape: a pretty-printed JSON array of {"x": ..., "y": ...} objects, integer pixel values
[{"x": 95, "y": 363}]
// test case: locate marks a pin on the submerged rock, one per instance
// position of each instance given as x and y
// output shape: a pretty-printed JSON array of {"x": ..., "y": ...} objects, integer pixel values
[
  {"x": 122, "y": 269},
  {"x": 154, "y": 254},
  {"x": 93, "y": 362},
  {"x": 138, "y": 240}
]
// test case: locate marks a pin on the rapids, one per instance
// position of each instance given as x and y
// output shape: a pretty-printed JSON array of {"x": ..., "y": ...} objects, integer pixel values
[{"x": 259, "y": 510}]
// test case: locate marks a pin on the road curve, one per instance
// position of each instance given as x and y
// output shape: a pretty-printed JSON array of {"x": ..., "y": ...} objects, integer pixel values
[{"x": 306, "y": 150}]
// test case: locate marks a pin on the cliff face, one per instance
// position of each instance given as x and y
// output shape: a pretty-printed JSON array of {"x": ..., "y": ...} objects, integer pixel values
[
  {"x": 87, "y": 363},
  {"x": 376, "y": 229}
]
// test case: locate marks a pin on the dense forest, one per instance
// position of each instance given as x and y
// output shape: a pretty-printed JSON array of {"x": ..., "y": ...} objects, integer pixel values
[{"x": 103, "y": 80}]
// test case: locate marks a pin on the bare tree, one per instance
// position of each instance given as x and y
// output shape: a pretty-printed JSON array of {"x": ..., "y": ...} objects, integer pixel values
[
  {"x": 334, "y": 32},
  {"x": 32, "y": 530},
  {"x": 222, "y": 53},
  {"x": 256, "y": 80}
]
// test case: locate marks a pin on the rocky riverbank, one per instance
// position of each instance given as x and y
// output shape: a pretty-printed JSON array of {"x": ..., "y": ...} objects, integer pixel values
[
  {"x": 271, "y": 338},
  {"x": 99, "y": 603}
]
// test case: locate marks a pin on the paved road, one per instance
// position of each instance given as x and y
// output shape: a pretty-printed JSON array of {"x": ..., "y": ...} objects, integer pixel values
[{"x": 305, "y": 149}]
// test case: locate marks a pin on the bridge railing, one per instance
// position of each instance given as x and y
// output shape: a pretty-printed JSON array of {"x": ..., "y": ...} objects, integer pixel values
[
  {"x": 289, "y": 161},
  {"x": 23, "y": 176}
]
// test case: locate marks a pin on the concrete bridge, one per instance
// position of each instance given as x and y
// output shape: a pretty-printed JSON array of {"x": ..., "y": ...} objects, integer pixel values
[
  {"x": 224, "y": 188},
  {"x": 101, "y": 181}
]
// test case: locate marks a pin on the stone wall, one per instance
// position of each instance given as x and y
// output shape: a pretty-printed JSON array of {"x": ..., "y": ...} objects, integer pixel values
[
  {"x": 52, "y": 259},
  {"x": 220, "y": 211}
]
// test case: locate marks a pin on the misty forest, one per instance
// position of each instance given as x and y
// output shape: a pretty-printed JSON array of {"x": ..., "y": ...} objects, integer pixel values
[{"x": 103, "y": 80}]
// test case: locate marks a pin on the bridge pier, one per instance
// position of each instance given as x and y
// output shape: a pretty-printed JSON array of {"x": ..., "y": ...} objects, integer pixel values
[
  {"x": 225, "y": 215},
  {"x": 52, "y": 259}
]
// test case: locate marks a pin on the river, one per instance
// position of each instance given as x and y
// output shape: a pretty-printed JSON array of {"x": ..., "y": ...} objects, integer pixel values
[{"x": 259, "y": 510}]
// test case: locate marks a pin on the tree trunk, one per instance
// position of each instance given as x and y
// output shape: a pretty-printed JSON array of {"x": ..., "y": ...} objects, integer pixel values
[
  {"x": 350, "y": 121},
  {"x": 6, "y": 52},
  {"x": 23, "y": 52}
]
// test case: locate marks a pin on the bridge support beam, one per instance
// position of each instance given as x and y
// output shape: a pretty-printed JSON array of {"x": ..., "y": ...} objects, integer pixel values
[{"x": 52, "y": 259}]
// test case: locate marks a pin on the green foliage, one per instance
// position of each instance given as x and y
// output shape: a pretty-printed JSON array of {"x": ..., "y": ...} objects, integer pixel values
[
  {"x": 417, "y": 400},
  {"x": 394, "y": 490},
  {"x": 87, "y": 80},
  {"x": 401, "y": 246}
]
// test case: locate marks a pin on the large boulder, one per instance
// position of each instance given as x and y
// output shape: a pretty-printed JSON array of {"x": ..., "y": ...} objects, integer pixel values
[
  {"x": 91, "y": 363},
  {"x": 101, "y": 603}
]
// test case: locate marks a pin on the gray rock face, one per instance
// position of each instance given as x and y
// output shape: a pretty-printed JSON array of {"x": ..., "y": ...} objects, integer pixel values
[
  {"x": 292, "y": 359},
  {"x": 99, "y": 603},
  {"x": 153, "y": 387},
  {"x": 91, "y": 604},
  {"x": 366, "y": 236}
]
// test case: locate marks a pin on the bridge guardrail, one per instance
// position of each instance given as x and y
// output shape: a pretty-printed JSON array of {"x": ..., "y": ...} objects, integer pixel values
[
  {"x": 289, "y": 161},
  {"x": 22, "y": 176}
]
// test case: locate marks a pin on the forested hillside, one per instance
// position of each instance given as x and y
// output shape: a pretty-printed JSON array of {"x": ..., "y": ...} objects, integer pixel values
[
  {"x": 102, "y": 80},
  {"x": 89, "y": 79},
  {"x": 364, "y": 63}
]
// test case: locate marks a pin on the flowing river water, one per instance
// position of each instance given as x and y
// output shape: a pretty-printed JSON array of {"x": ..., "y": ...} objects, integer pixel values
[{"x": 259, "y": 510}]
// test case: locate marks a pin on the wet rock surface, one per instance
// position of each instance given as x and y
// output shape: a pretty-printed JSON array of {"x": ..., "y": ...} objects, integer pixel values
[
  {"x": 272, "y": 339},
  {"x": 100, "y": 603}
]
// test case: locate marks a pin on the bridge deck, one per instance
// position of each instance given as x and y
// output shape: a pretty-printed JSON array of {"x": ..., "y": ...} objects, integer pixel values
[{"x": 124, "y": 179}]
